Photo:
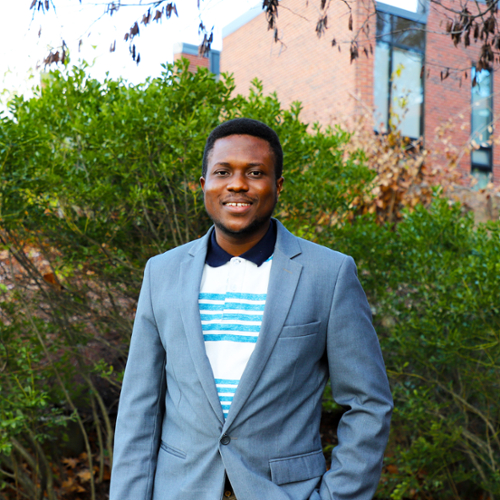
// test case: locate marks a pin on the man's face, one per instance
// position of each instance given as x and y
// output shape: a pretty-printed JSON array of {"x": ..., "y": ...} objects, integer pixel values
[{"x": 240, "y": 187}]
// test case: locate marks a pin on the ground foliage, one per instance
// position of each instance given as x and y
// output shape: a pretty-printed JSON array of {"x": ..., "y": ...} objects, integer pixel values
[{"x": 97, "y": 177}]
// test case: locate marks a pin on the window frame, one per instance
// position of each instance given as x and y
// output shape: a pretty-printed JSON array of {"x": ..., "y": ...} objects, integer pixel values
[{"x": 394, "y": 12}]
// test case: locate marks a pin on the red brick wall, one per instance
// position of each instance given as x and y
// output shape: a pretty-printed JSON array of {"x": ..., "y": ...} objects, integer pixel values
[
  {"x": 301, "y": 67},
  {"x": 365, "y": 27},
  {"x": 194, "y": 61}
]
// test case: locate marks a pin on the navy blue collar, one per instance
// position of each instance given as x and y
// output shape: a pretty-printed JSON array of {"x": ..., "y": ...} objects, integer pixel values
[{"x": 216, "y": 256}]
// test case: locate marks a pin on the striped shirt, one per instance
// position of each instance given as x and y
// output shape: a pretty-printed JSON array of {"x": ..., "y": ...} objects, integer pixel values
[{"x": 231, "y": 301}]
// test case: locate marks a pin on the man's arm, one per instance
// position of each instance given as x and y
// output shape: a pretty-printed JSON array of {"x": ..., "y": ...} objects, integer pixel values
[
  {"x": 140, "y": 411},
  {"x": 359, "y": 383}
]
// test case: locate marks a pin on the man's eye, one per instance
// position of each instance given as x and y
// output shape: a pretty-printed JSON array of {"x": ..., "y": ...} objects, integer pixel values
[
  {"x": 255, "y": 173},
  {"x": 221, "y": 173}
]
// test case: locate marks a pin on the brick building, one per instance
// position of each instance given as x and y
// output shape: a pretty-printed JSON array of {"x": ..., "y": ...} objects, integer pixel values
[{"x": 403, "y": 56}]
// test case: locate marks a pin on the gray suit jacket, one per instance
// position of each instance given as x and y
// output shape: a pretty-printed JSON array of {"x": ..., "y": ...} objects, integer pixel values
[{"x": 172, "y": 442}]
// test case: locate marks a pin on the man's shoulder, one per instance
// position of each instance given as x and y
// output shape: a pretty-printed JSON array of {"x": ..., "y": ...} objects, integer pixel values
[
  {"x": 175, "y": 255},
  {"x": 314, "y": 251}
]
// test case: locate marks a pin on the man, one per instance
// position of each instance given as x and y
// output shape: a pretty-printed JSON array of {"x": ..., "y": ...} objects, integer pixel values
[{"x": 234, "y": 339}]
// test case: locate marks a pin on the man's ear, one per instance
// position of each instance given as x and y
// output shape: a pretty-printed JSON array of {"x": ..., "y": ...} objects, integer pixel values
[
  {"x": 202, "y": 183},
  {"x": 279, "y": 185}
]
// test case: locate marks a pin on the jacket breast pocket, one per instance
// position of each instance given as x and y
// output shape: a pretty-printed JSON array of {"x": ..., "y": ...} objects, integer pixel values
[
  {"x": 297, "y": 468},
  {"x": 300, "y": 330}
]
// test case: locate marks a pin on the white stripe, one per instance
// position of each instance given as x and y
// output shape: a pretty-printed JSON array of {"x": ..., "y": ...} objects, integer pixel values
[{"x": 245, "y": 301}]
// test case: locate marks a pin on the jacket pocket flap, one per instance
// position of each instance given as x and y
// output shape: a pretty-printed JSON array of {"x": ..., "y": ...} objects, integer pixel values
[
  {"x": 300, "y": 330},
  {"x": 173, "y": 451},
  {"x": 297, "y": 468}
]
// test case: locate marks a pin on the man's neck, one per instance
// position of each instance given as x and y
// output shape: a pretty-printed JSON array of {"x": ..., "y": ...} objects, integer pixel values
[{"x": 239, "y": 244}]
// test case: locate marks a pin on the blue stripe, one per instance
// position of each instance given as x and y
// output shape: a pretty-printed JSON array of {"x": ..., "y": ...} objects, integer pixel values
[
  {"x": 212, "y": 296},
  {"x": 226, "y": 381},
  {"x": 226, "y": 389},
  {"x": 211, "y": 307},
  {"x": 208, "y": 317},
  {"x": 225, "y": 406},
  {"x": 231, "y": 327},
  {"x": 231, "y": 306},
  {"x": 233, "y": 316},
  {"x": 231, "y": 338},
  {"x": 243, "y": 317},
  {"x": 246, "y": 296},
  {"x": 244, "y": 307},
  {"x": 226, "y": 398}
]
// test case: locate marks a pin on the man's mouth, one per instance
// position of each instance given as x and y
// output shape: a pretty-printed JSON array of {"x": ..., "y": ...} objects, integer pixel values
[{"x": 237, "y": 204}]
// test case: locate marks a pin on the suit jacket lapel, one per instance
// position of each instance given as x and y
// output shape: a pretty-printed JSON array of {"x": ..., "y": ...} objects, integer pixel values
[
  {"x": 190, "y": 278},
  {"x": 283, "y": 281}
]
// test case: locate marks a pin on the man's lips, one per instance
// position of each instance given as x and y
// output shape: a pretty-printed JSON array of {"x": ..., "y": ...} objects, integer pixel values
[{"x": 237, "y": 206}]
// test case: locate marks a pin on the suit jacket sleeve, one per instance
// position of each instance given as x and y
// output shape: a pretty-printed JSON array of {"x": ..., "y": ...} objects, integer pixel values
[
  {"x": 141, "y": 408},
  {"x": 359, "y": 384}
]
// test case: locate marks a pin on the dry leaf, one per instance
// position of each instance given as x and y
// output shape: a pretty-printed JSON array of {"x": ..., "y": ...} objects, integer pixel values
[
  {"x": 84, "y": 475},
  {"x": 71, "y": 462}
]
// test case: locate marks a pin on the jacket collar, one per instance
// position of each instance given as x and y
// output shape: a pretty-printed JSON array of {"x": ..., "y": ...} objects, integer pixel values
[
  {"x": 259, "y": 253},
  {"x": 286, "y": 242}
]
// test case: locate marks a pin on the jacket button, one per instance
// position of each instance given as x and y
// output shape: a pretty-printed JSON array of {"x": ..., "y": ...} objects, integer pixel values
[{"x": 225, "y": 439}]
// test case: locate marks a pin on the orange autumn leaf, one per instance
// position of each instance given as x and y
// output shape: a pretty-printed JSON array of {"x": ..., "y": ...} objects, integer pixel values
[{"x": 70, "y": 462}]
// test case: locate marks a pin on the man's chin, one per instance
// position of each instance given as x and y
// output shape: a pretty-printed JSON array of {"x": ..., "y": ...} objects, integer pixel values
[{"x": 242, "y": 230}]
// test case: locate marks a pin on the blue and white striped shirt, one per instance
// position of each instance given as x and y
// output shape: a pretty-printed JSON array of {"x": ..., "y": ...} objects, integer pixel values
[{"x": 232, "y": 300}]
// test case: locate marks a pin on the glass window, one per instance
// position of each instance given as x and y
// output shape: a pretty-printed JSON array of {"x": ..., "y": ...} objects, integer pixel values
[
  {"x": 408, "y": 34},
  {"x": 482, "y": 124},
  {"x": 381, "y": 86},
  {"x": 407, "y": 92},
  {"x": 398, "y": 88}
]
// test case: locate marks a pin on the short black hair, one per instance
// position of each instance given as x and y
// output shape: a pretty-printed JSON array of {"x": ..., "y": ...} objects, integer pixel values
[{"x": 245, "y": 126}]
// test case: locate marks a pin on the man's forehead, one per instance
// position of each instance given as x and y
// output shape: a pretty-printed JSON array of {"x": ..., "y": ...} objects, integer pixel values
[
  {"x": 244, "y": 143},
  {"x": 240, "y": 138}
]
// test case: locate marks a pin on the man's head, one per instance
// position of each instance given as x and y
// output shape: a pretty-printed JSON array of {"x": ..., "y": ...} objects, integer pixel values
[
  {"x": 241, "y": 181},
  {"x": 245, "y": 126}
]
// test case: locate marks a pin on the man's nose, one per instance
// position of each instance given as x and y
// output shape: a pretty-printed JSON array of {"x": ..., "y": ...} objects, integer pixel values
[{"x": 237, "y": 182}]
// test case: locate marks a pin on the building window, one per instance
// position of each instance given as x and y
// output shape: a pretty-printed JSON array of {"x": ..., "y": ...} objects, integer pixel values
[
  {"x": 398, "y": 79},
  {"x": 417, "y": 6},
  {"x": 482, "y": 125}
]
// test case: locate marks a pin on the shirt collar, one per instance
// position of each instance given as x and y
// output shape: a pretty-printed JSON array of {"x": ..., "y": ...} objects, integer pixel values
[{"x": 217, "y": 256}]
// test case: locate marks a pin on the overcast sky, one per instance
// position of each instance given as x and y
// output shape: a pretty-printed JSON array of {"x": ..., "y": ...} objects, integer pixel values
[
  {"x": 27, "y": 36},
  {"x": 23, "y": 48}
]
